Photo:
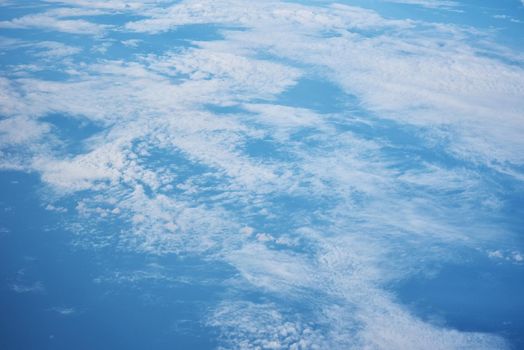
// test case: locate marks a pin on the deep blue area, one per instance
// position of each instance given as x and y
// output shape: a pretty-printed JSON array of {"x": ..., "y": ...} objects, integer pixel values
[
  {"x": 73, "y": 132},
  {"x": 316, "y": 94},
  {"x": 480, "y": 295},
  {"x": 35, "y": 251}
]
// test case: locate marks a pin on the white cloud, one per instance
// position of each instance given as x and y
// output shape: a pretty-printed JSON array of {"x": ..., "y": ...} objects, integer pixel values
[
  {"x": 36, "y": 287},
  {"x": 57, "y": 209},
  {"x": 392, "y": 328},
  {"x": 65, "y": 311},
  {"x": 506, "y": 17},
  {"x": 248, "y": 325},
  {"x": 270, "y": 270},
  {"x": 411, "y": 79},
  {"x": 132, "y": 42},
  {"x": 107, "y": 5},
  {"x": 261, "y": 14},
  {"x": 432, "y": 4},
  {"x": 20, "y": 130},
  {"x": 246, "y": 230},
  {"x": 510, "y": 256},
  {"x": 54, "y": 22}
]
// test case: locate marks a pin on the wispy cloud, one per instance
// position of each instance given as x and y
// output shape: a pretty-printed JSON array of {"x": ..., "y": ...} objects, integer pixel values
[
  {"x": 36, "y": 287},
  {"x": 431, "y": 4},
  {"x": 65, "y": 311},
  {"x": 509, "y": 18},
  {"x": 107, "y": 5},
  {"x": 55, "y": 21},
  {"x": 41, "y": 49}
]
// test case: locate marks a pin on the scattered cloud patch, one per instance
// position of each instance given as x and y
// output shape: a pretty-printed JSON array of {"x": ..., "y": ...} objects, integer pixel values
[
  {"x": 431, "y": 4},
  {"x": 506, "y": 17},
  {"x": 510, "y": 256},
  {"x": 53, "y": 21},
  {"x": 65, "y": 311},
  {"x": 36, "y": 287},
  {"x": 131, "y": 42}
]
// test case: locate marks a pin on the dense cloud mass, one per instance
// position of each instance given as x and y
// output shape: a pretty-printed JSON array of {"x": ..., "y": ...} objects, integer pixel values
[{"x": 320, "y": 152}]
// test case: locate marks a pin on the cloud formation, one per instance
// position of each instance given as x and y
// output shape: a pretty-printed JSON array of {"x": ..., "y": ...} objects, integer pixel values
[
  {"x": 431, "y": 4},
  {"x": 58, "y": 20},
  {"x": 341, "y": 206}
]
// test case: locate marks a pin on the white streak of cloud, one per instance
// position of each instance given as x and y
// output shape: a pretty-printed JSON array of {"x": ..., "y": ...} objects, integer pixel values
[
  {"x": 54, "y": 22},
  {"x": 431, "y": 4}
]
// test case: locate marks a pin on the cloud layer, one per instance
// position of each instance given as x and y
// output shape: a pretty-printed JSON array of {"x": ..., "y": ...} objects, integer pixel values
[{"x": 192, "y": 150}]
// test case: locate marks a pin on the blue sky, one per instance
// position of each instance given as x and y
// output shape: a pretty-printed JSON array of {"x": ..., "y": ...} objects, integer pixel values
[{"x": 236, "y": 174}]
